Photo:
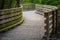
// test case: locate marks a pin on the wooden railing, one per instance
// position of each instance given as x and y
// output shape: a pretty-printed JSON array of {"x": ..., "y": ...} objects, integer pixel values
[
  {"x": 10, "y": 17},
  {"x": 50, "y": 15},
  {"x": 27, "y": 7}
]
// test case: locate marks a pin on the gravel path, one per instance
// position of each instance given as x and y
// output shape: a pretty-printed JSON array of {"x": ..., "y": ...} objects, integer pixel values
[{"x": 31, "y": 29}]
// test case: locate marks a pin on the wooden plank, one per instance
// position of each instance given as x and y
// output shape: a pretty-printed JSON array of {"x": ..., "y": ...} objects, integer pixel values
[
  {"x": 50, "y": 21},
  {"x": 56, "y": 22},
  {"x": 50, "y": 27},
  {"x": 50, "y": 16},
  {"x": 9, "y": 15},
  {"x": 50, "y": 31},
  {"x": 9, "y": 19}
]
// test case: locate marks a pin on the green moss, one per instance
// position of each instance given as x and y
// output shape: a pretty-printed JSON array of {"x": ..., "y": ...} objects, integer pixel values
[
  {"x": 20, "y": 13},
  {"x": 10, "y": 23},
  {"x": 9, "y": 12}
]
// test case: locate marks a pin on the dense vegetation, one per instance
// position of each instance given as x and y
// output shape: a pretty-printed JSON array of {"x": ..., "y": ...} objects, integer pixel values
[
  {"x": 52, "y": 2},
  {"x": 14, "y": 3},
  {"x": 47, "y": 2},
  {"x": 5, "y": 4}
]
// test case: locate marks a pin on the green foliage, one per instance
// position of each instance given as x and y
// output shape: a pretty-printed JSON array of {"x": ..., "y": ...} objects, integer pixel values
[
  {"x": 30, "y": 1},
  {"x": 51, "y": 2},
  {"x": 0, "y": 3},
  {"x": 11, "y": 23},
  {"x": 46, "y": 2},
  {"x": 38, "y": 1},
  {"x": 25, "y": 1},
  {"x": 13, "y": 4},
  {"x": 5, "y": 4}
]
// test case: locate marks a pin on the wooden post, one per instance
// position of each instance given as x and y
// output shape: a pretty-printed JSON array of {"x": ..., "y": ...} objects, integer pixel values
[
  {"x": 53, "y": 21},
  {"x": 47, "y": 24},
  {"x": 56, "y": 21},
  {"x": 54, "y": 13},
  {"x": 50, "y": 13}
]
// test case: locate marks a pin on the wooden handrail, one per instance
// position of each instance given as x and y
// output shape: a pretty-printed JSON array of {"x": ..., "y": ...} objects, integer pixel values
[
  {"x": 50, "y": 13},
  {"x": 7, "y": 18}
]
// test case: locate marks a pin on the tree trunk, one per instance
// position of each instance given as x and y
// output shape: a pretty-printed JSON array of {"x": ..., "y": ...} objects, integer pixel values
[{"x": 18, "y": 3}]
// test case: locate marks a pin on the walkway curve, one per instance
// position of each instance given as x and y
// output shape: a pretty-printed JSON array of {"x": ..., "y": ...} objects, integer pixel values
[{"x": 31, "y": 29}]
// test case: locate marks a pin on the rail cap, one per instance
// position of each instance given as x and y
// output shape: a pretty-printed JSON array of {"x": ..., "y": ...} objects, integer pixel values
[
  {"x": 46, "y": 8},
  {"x": 11, "y": 9}
]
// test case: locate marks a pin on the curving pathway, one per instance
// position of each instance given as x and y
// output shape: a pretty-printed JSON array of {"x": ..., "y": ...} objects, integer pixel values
[{"x": 31, "y": 29}]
